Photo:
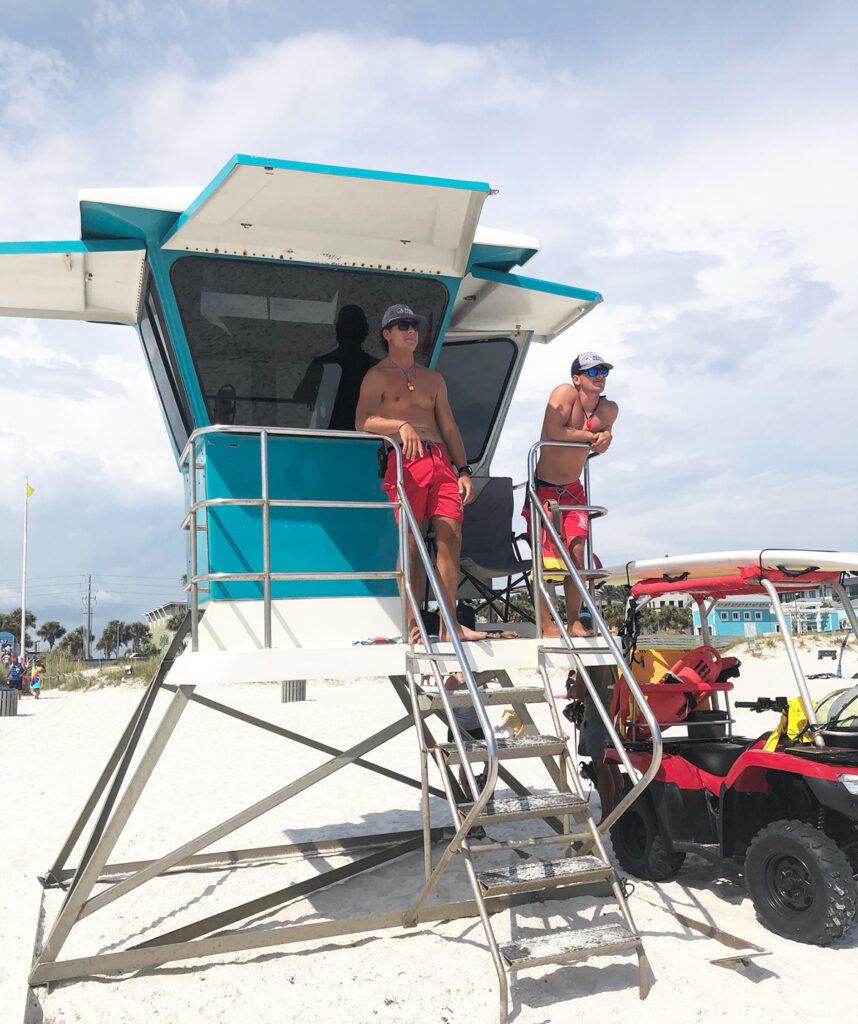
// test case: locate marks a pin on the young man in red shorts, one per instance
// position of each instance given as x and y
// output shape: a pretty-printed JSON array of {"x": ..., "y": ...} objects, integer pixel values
[
  {"x": 576, "y": 411},
  {"x": 400, "y": 398}
]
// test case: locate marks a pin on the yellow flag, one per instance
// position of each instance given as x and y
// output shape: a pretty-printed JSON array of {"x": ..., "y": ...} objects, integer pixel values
[{"x": 29, "y": 490}]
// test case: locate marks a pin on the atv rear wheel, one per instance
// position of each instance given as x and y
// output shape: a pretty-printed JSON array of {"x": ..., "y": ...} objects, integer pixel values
[
  {"x": 639, "y": 846},
  {"x": 800, "y": 882}
]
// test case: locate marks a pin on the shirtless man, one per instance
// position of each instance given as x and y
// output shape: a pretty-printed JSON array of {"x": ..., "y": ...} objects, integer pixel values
[
  {"x": 400, "y": 398},
  {"x": 575, "y": 412}
]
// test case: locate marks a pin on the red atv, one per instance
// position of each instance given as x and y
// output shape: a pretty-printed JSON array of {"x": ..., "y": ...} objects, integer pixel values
[{"x": 785, "y": 808}]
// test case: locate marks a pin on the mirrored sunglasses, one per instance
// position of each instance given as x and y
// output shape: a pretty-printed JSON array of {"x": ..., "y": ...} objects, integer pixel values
[{"x": 597, "y": 371}]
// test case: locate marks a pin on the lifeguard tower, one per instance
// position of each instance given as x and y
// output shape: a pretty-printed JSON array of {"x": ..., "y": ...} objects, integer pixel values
[{"x": 257, "y": 301}]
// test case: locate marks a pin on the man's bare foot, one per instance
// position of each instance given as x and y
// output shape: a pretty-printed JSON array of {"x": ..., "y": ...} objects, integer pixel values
[
  {"x": 465, "y": 633},
  {"x": 576, "y": 629},
  {"x": 551, "y": 633}
]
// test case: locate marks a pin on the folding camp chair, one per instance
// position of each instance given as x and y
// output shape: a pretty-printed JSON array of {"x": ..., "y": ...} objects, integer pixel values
[{"x": 490, "y": 547}]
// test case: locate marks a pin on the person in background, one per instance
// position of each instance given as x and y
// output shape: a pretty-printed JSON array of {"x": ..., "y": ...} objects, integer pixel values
[
  {"x": 36, "y": 673},
  {"x": 15, "y": 676},
  {"x": 592, "y": 734}
]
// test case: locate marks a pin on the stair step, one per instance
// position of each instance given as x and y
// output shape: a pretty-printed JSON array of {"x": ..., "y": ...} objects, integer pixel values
[
  {"x": 542, "y": 874},
  {"x": 518, "y": 746},
  {"x": 572, "y": 944},
  {"x": 580, "y": 645},
  {"x": 521, "y": 808},
  {"x": 554, "y": 839},
  {"x": 430, "y": 699}
]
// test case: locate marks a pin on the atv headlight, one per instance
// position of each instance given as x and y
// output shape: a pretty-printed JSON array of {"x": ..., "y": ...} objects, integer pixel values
[{"x": 850, "y": 782}]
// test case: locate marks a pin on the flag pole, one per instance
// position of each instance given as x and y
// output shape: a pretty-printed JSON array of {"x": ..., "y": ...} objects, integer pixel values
[{"x": 28, "y": 490}]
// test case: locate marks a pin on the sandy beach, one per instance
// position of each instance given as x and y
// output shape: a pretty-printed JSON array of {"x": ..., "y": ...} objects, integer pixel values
[{"x": 55, "y": 749}]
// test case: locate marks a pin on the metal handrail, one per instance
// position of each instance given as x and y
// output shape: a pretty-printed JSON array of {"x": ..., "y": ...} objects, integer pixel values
[
  {"x": 539, "y": 516},
  {"x": 809, "y": 709},
  {"x": 407, "y": 525},
  {"x": 264, "y": 502}
]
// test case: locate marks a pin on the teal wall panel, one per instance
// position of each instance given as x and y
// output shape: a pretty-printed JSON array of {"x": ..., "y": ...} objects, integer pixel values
[{"x": 302, "y": 539}]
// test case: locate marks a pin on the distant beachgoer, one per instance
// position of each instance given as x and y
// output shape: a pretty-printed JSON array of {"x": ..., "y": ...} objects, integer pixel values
[
  {"x": 15, "y": 678},
  {"x": 36, "y": 680},
  {"x": 575, "y": 412}
]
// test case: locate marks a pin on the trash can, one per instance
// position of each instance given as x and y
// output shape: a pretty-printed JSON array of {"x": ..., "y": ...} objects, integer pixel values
[
  {"x": 292, "y": 689},
  {"x": 9, "y": 701}
]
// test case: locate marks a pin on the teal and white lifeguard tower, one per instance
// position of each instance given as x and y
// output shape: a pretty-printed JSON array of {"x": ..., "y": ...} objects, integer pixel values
[{"x": 257, "y": 301}]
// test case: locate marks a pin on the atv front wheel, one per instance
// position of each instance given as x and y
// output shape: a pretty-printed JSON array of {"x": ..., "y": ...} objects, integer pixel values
[
  {"x": 639, "y": 846},
  {"x": 800, "y": 882}
]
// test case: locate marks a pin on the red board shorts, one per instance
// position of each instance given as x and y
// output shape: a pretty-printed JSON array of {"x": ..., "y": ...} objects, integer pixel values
[
  {"x": 572, "y": 523},
  {"x": 431, "y": 484}
]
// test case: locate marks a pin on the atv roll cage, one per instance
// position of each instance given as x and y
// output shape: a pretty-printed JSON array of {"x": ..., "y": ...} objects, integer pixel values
[{"x": 706, "y": 591}]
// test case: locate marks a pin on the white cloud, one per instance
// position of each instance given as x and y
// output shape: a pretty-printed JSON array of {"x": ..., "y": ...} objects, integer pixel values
[{"x": 711, "y": 202}]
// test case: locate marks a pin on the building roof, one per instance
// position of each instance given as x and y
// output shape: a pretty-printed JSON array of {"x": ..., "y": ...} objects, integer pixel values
[{"x": 166, "y": 610}]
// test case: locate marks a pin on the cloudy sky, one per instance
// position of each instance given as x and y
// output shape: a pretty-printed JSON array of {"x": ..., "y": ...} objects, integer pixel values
[{"x": 695, "y": 163}]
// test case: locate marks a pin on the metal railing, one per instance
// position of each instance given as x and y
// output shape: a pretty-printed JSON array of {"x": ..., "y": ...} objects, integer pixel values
[
  {"x": 407, "y": 528},
  {"x": 539, "y": 517}
]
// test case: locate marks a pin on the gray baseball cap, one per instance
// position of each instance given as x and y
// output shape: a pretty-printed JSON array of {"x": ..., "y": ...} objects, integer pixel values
[
  {"x": 400, "y": 312},
  {"x": 586, "y": 360}
]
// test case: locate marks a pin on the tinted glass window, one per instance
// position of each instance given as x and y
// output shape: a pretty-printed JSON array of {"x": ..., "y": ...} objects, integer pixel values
[
  {"x": 476, "y": 373},
  {"x": 280, "y": 345},
  {"x": 162, "y": 362}
]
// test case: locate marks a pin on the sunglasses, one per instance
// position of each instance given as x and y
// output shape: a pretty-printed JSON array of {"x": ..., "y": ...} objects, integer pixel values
[
  {"x": 597, "y": 371},
  {"x": 406, "y": 325}
]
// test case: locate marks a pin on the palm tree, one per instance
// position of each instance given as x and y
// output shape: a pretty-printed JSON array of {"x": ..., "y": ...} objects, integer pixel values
[
  {"x": 111, "y": 639},
  {"x": 136, "y": 632},
  {"x": 175, "y": 621},
  {"x": 10, "y": 622},
  {"x": 609, "y": 594},
  {"x": 614, "y": 614},
  {"x": 649, "y": 619},
  {"x": 673, "y": 619},
  {"x": 74, "y": 642},
  {"x": 51, "y": 631}
]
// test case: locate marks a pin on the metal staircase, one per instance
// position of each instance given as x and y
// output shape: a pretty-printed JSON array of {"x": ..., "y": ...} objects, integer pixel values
[
  {"x": 567, "y": 862},
  {"x": 583, "y": 866}
]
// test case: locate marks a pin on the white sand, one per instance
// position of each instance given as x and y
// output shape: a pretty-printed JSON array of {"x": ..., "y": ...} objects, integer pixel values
[{"x": 55, "y": 749}]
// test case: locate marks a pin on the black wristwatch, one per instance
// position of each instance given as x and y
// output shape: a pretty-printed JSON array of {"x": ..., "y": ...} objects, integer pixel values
[{"x": 463, "y": 470}]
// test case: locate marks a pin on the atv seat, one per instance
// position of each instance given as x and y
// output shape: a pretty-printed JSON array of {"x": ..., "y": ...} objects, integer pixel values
[{"x": 714, "y": 757}]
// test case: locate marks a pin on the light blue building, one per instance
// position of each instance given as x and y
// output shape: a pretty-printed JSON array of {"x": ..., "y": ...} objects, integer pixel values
[
  {"x": 733, "y": 615},
  {"x": 730, "y": 616}
]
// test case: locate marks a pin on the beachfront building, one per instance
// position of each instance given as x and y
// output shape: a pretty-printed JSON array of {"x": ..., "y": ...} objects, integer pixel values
[
  {"x": 820, "y": 610},
  {"x": 731, "y": 616},
  {"x": 672, "y": 601},
  {"x": 158, "y": 619},
  {"x": 804, "y": 613}
]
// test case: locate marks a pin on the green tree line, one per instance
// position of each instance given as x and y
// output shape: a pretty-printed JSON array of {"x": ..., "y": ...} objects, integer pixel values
[
  {"x": 117, "y": 635},
  {"x": 612, "y": 602}
]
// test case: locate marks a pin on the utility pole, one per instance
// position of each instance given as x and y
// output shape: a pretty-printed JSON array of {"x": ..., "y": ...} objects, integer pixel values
[
  {"x": 87, "y": 627},
  {"x": 28, "y": 490}
]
